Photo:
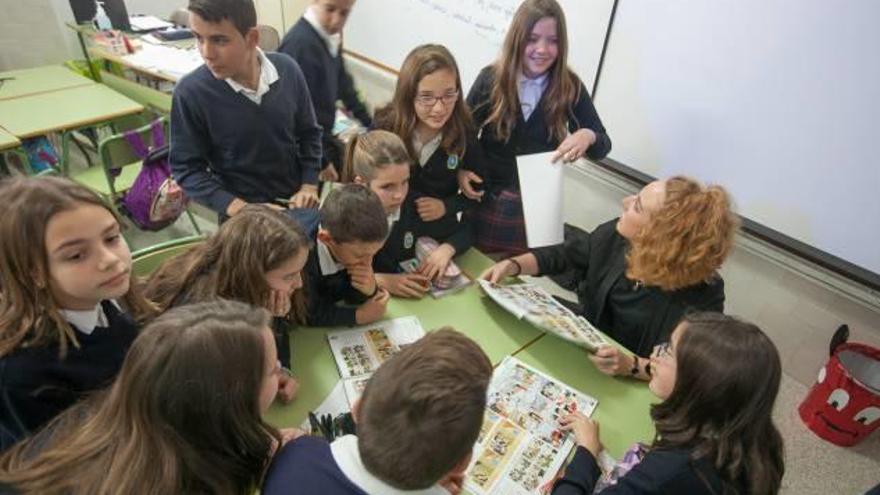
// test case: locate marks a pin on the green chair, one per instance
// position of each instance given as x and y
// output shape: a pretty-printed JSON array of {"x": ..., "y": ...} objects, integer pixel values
[
  {"x": 145, "y": 261},
  {"x": 151, "y": 98},
  {"x": 119, "y": 168}
]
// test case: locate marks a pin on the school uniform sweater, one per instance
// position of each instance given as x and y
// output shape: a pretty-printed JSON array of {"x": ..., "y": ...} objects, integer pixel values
[
  {"x": 328, "y": 81},
  {"x": 223, "y": 145},
  {"x": 528, "y": 136},
  {"x": 661, "y": 471},
  {"x": 311, "y": 465},
  {"x": 36, "y": 384},
  {"x": 637, "y": 316},
  {"x": 325, "y": 290}
]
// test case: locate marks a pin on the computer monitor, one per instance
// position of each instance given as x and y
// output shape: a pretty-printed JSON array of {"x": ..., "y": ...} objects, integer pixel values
[{"x": 84, "y": 11}]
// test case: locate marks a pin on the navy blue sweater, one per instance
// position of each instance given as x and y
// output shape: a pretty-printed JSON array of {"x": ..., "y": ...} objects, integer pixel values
[
  {"x": 36, "y": 385},
  {"x": 328, "y": 82},
  {"x": 661, "y": 471},
  {"x": 223, "y": 145},
  {"x": 306, "y": 465},
  {"x": 528, "y": 136}
]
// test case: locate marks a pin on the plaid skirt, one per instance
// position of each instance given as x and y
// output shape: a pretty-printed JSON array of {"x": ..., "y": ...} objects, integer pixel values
[{"x": 498, "y": 222}]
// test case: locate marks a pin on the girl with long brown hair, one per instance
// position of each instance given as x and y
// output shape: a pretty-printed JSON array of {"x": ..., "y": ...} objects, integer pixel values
[
  {"x": 430, "y": 115},
  {"x": 256, "y": 257},
  {"x": 529, "y": 101},
  {"x": 69, "y": 305},
  {"x": 718, "y": 378},
  {"x": 637, "y": 275},
  {"x": 183, "y": 416}
]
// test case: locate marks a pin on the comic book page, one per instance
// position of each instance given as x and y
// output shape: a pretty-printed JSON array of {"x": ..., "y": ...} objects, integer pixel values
[
  {"x": 360, "y": 351},
  {"x": 537, "y": 306},
  {"x": 521, "y": 446}
]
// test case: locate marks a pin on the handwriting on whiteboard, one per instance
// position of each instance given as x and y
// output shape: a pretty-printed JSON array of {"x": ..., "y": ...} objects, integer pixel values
[{"x": 488, "y": 18}]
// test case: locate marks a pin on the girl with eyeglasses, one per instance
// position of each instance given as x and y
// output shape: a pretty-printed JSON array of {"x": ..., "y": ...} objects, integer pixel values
[
  {"x": 429, "y": 114},
  {"x": 529, "y": 101},
  {"x": 718, "y": 378}
]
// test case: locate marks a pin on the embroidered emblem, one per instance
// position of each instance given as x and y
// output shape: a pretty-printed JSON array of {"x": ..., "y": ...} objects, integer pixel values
[
  {"x": 408, "y": 240},
  {"x": 452, "y": 162}
]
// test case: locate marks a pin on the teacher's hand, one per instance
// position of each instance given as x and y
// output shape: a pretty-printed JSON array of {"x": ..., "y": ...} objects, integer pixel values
[
  {"x": 499, "y": 271},
  {"x": 574, "y": 146},
  {"x": 612, "y": 361}
]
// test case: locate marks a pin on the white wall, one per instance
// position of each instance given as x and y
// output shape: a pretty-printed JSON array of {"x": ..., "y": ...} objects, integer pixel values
[{"x": 32, "y": 33}]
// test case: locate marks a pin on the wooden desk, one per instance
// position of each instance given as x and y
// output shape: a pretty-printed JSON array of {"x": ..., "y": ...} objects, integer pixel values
[{"x": 37, "y": 80}]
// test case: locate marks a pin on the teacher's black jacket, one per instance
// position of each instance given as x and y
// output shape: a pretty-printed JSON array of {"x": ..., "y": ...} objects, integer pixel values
[{"x": 599, "y": 262}]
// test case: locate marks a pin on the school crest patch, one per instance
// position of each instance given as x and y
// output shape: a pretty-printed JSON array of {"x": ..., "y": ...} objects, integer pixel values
[
  {"x": 452, "y": 162},
  {"x": 408, "y": 240}
]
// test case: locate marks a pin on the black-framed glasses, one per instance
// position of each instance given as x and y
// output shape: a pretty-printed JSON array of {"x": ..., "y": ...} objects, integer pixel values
[{"x": 429, "y": 101}]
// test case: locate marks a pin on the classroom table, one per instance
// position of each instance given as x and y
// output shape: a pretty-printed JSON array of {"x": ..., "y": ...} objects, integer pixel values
[
  {"x": 498, "y": 332},
  {"x": 26, "y": 82},
  {"x": 623, "y": 403},
  {"x": 8, "y": 141},
  {"x": 64, "y": 110}
]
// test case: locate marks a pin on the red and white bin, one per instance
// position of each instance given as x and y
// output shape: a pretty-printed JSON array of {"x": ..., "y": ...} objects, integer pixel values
[{"x": 843, "y": 407}]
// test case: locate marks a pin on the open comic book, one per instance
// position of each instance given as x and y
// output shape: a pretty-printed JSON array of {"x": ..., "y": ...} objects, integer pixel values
[
  {"x": 360, "y": 351},
  {"x": 537, "y": 306},
  {"x": 521, "y": 446}
]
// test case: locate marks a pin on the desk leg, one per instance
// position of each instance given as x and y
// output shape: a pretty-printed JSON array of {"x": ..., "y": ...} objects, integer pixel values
[{"x": 82, "y": 45}]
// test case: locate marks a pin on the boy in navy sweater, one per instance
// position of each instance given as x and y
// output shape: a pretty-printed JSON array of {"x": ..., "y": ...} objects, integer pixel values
[
  {"x": 340, "y": 267},
  {"x": 315, "y": 42},
  {"x": 417, "y": 422},
  {"x": 242, "y": 125}
]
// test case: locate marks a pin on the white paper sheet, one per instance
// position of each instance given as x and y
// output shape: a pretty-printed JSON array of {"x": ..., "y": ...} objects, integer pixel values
[{"x": 541, "y": 185}]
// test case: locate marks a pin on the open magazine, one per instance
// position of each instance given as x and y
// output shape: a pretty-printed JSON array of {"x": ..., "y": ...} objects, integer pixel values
[
  {"x": 452, "y": 280},
  {"x": 360, "y": 351},
  {"x": 537, "y": 306},
  {"x": 521, "y": 446}
]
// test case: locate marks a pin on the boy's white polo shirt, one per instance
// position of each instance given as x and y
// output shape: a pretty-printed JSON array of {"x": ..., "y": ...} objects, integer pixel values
[
  {"x": 326, "y": 261},
  {"x": 268, "y": 76},
  {"x": 347, "y": 456}
]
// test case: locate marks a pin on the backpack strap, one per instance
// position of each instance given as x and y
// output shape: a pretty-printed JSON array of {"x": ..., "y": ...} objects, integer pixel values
[{"x": 157, "y": 130}]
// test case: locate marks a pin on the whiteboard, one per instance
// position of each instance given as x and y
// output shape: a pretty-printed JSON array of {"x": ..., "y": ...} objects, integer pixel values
[
  {"x": 473, "y": 30},
  {"x": 776, "y": 100}
]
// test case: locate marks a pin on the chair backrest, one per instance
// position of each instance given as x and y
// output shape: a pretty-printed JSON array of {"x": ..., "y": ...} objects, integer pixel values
[
  {"x": 145, "y": 261},
  {"x": 180, "y": 17},
  {"x": 116, "y": 152},
  {"x": 149, "y": 97},
  {"x": 269, "y": 39}
]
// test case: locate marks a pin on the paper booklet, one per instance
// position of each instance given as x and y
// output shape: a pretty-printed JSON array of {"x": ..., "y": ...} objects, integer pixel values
[
  {"x": 360, "y": 351},
  {"x": 537, "y": 306},
  {"x": 521, "y": 446}
]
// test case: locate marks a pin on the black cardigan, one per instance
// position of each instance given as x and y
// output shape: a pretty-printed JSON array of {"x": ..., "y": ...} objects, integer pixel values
[
  {"x": 669, "y": 471},
  {"x": 598, "y": 260},
  {"x": 528, "y": 136},
  {"x": 328, "y": 81},
  {"x": 36, "y": 385},
  {"x": 324, "y": 292}
]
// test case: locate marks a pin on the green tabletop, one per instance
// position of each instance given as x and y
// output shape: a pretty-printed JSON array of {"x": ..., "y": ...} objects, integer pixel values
[
  {"x": 7, "y": 140},
  {"x": 469, "y": 311},
  {"x": 63, "y": 110},
  {"x": 26, "y": 82},
  {"x": 624, "y": 404}
]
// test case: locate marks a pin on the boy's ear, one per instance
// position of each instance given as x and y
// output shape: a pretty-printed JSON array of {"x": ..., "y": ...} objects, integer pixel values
[
  {"x": 462, "y": 465},
  {"x": 325, "y": 236},
  {"x": 359, "y": 180},
  {"x": 252, "y": 38},
  {"x": 356, "y": 412}
]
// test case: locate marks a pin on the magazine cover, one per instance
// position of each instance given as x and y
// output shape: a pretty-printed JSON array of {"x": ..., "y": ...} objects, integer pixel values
[
  {"x": 452, "y": 281},
  {"x": 360, "y": 351},
  {"x": 521, "y": 446},
  {"x": 538, "y": 307}
]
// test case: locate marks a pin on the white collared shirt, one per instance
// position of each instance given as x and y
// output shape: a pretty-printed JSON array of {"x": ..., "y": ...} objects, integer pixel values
[
  {"x": 530, "y": 91},
  {"x": 347, "y": 456},
  {"x": 85, "y": 321},
  {"x": 393, "y": 217},
  {"x": 268, "y": 76},
  {"x": 333, "y": 41},
  {"x": 326, "y": 261},
  {"x": 425, "y": 150}
]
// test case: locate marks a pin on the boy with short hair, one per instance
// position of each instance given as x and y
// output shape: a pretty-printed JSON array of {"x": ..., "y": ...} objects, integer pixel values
[
  {"x": 315, "y": 42},
  {"x": 353, "y": 228},
  {"x": 417, "y": 422},
  {"x": 243, "y": 129}
]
